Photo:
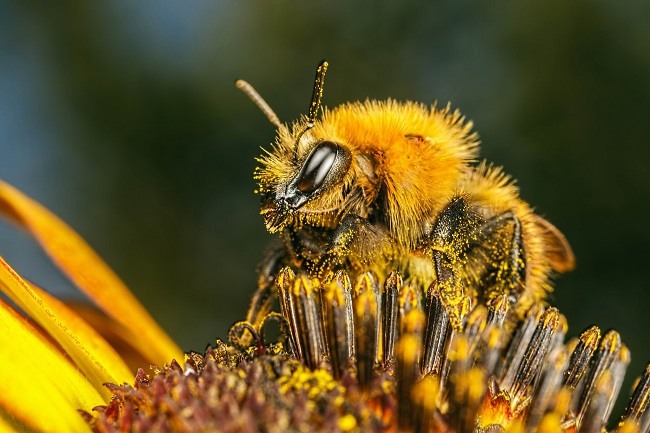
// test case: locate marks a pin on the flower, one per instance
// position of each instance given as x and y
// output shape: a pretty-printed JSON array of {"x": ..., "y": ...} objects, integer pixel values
[{"x": 350, "y": 356}]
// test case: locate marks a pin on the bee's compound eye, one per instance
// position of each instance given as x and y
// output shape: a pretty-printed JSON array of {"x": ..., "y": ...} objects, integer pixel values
[{"x": 317, "y": 166}]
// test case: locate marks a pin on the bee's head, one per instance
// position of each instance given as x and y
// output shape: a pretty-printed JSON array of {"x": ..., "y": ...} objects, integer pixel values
[
  {"x": 298, "y": 178},
  {"x": 394, "y": 163}
]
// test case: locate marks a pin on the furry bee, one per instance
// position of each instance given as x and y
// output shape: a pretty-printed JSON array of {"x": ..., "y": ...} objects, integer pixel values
[{"x": 388, "y": 185}]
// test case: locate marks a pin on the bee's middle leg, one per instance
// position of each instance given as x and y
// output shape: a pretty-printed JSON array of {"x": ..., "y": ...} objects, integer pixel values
[{"x": 448, "y": 242}]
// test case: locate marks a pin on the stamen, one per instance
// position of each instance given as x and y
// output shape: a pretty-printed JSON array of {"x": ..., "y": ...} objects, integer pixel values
[
  {"x": 489, "y": 349},
  {"x": 436, "y": 334},
  {"x": 534, "y": 355},
  {"x": 549, "y": 385},
  {"x": 498, "y": 309},
  {"x": 466, "y": 385},
  {"x": 390, "y": 308},
  {"x": 518, "y": 346},
  {"x": 581, "y": 356},
  {"x": 337, "y": 308},
  {"x": 283, "y": 284},
  {"x": 594, "y": 415},
  {"x": 408, "y": 353},
  {"x": 636, "y": 410},
  {"x": 476, "y": 323},
  {"x": 609, "y": 350},
  {"x": 618, "y": 373},
  {"x": 415, "y": 371},
  {"x": 306, "y": 328},
  {"x": 366, "y": 327},
  {"x": 410, "y": 298}
]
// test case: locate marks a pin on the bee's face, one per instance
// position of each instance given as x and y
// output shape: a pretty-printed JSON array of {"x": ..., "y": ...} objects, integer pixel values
[{"x": 302, "y": 181}]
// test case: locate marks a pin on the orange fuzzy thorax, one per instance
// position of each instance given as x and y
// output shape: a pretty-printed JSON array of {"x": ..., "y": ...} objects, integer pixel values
[{"x": 418, "y": 155}]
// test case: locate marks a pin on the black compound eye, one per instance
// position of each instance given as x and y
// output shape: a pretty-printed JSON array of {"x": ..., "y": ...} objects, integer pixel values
[{"x": 315, "y": 169}]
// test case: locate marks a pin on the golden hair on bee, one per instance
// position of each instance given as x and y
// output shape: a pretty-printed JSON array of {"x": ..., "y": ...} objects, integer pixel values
[{"x": 393, "y": 186}]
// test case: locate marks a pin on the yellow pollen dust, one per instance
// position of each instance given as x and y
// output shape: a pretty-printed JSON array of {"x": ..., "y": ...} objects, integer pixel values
[
  {"x": 347, "y": 423},
  {"x": 315, "y": 382}
]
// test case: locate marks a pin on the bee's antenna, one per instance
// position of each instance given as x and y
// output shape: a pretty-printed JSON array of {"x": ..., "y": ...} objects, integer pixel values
[
  {"x": 314, "y": 105},
  {"x": 317, "y": 94},
  {"x": 260, "y": 102}
]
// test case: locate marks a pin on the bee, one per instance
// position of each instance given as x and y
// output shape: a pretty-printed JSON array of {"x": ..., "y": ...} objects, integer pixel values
[{"x": 394, "y": 186}]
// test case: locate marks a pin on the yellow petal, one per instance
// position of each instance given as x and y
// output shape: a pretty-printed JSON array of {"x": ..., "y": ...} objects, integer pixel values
[
  {"x": 98, "y": 362},
  {"x": 111, "y": 331},
  {"x": 89, "y": 337},
  {"x": 40, "y": 387},
  {"x": 89, "y": 272}
]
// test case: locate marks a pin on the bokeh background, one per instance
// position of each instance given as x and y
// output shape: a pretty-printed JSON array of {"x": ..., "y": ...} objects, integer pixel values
[{"x": 123, "y": 119}]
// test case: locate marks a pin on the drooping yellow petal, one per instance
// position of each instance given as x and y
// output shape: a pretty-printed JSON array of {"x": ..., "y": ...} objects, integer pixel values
[
  {"x": 88, "y": 350},
  {"x": 89, "y": 272},
  {"x": 40, "y": 387},
  {"x": 88, "y": 336},
  {"x": 111, "y": 331}
]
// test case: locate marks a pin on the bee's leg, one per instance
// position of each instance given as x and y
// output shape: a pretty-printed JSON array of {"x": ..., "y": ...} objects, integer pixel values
[
  {"x": 338, "y": 248},
  {"x": 449, "y": 300},
  {"x": 448, "y": 242},
  {"x": 487, "y": 253},
  {"x": 356, "y": 238},
  {"x": 274, "y": 259},
  {"x": 498, "y": 244}
]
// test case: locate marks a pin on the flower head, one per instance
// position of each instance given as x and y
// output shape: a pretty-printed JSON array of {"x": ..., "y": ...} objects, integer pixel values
[{"x": 369, "y": 358}]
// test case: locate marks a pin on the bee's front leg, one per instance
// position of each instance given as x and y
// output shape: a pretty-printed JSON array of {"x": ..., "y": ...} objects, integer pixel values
[{"x": 356, "y": 243}]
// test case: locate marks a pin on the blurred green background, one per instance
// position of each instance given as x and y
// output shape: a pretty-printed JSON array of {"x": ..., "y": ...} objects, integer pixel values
[{"x": 122, "y": 118}]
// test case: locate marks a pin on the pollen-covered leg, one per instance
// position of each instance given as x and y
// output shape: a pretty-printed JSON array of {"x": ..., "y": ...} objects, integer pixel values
[
  {"x": 486, "y": 255},
  {"x": 496, "y": 260},
  {"x": 448, "y": 243},
  {"x": 355, "y": 241}
]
